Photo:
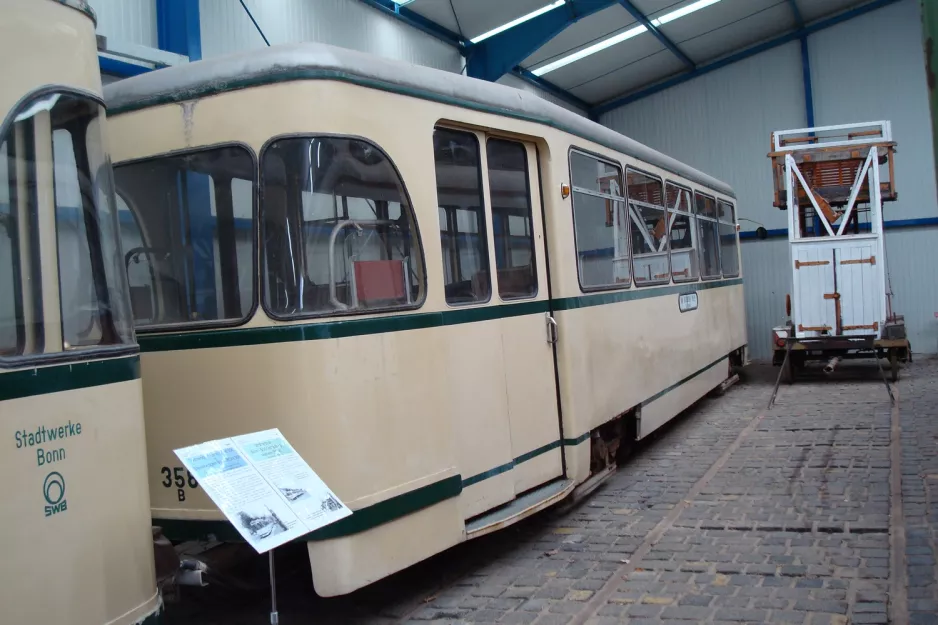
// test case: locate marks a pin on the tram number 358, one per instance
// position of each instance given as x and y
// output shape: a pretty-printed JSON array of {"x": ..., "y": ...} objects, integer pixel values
[{"x": 178, "y": 478}]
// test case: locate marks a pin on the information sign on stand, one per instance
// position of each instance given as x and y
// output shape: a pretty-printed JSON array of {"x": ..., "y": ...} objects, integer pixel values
[{"x": 267, "y": 491}]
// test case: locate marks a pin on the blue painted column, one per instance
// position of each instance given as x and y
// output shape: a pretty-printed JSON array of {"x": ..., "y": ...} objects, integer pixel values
[
  {"x": 178, "y": 27},
  {"x": 179, "y": 31},
  {"x": 806, "y": 76},
  {"x": 196, "y": 212}
]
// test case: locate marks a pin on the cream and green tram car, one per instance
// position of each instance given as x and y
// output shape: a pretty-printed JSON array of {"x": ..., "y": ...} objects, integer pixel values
[
  {"x": 456, "y": 300},
  {"x": 75, "y": 529}
]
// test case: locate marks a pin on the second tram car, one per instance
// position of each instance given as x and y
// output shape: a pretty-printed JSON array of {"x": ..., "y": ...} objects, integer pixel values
[{"x": 455, "y": 299}]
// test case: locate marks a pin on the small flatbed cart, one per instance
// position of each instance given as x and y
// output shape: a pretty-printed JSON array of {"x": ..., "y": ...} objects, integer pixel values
[{"x": 833, "y": 181}]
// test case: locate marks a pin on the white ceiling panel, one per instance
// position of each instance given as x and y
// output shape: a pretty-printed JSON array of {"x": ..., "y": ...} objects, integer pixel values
[
  {"x": 739, "y": 34},
  {"x": 628, "y": 78},
  {"x": 712, "y": 32},
  {"x": 605, "y": 61},
  {"x": 435, "y": 11},
  {"x": 475, "y": 16},
  {"x": 653, "y": 8},
  {"x": 586, "y": 32},
  {"x": 725, "y": 13},
  {"x": 816, "y": 9}
]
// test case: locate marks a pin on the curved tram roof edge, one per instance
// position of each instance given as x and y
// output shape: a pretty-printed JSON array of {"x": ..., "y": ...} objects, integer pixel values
[
  {"x": 80, "y": 5},
  {"x": 306, "y": 61}
]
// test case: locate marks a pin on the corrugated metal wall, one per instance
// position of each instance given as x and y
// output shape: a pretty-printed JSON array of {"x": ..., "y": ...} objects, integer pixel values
[
  {"x": 866, "y": 69},
  {"x": 226, "y": 28},
  {"x": 347, "y": 23},
  {"x": 881, "y": 75},
  {"x": 721, "y": 124},
  {"x": 129, "y": 21}
]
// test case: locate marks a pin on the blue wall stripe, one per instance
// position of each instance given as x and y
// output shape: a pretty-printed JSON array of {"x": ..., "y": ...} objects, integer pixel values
[{"x": 888, "y": 225}]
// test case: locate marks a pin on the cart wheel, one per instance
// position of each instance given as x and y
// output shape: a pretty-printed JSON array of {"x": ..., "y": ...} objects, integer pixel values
[{"x": 894, "y": 363}]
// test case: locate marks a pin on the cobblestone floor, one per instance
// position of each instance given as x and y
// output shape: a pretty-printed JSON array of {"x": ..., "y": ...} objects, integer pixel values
[{"x": 734, "y": 514}]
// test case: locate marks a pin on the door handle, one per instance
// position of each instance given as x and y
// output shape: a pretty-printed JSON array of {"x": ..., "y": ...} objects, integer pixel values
[{"x": 552, "y": 333}]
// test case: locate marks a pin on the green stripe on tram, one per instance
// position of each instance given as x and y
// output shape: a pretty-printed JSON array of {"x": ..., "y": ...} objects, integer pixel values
[
  {"x": 360, "y": 520},
  {"x": 661, "y": 394},
  {"x": 233, "y": 337},
  {"x": 43, "y": 380},
  {"x": 615, "y": 297},
  {"x": 508, "y": 466},
  {"x": 395, "y": 507}
]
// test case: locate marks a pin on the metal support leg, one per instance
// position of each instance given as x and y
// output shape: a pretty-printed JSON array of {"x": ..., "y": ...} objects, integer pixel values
[
  {"x": 274, "y": 615},
  {"x": 781, "y": 372},
  {"x": 879, "y": 363}
]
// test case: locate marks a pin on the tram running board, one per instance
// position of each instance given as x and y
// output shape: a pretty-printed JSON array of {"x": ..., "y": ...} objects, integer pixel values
[
  {"x": 594, "y": 482},
  {"x": 519, "y": 508},
  {"x": 725, "y": 385}
]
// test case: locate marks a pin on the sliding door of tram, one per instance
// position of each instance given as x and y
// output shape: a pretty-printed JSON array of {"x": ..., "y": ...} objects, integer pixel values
[
  {"x": 527, "y": 339},
  {"x": 495, "y": 266}
]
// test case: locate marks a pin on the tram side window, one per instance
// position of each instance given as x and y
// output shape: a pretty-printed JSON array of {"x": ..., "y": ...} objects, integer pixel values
[
  {"x": 338, "y": 232},
  {"x": 511, "y": 218},
  {"x": 86, "y": 230},
  {"x": 12, "y": 320},
  {"x": 601, "y": 222},
  {"x": 649, "y": 232},
  {"x": 462, "y": 217},
  {"x": 729, "y": 244},
  {"x": 187, "y": 236},
  {"x": 682, "y": 234},
  {"x": 708, "y": 236},
  {"x": 54, "y": 167}
]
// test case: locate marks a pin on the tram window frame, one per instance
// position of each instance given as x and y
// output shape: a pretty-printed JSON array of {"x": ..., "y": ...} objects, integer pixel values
[
  {"x": 712, "y": 222},
  {"x": 246, "y": 314},
  {"x": 417, "y": 270},
  {"x": 690, "y": 214},
  {"x": 482, "y": 228},
  {"x": 731, "y": 226},
  {"x": 620, "y": 200},
  {"x": 658, "y": 279},
  {"x": 11, "y": 229},
  {"x": 92, "y": 173},
  {"x": 505, "y": 238}
]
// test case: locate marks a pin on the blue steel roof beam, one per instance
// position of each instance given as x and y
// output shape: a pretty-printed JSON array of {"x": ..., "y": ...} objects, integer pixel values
[
  {"x": 670, "y": 45},
  {"x": 739, "y": 56},
  {"x": 799, "y": 21},
  {"x": 551, "y": 88},
  {"x": 414, "y": 19},
  {"x": 178, "y": 27},
  {"x": 498, "y": 55}
]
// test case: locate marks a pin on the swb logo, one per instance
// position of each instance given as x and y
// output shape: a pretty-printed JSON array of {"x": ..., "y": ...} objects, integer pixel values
[{"x": 53, "y": 489}]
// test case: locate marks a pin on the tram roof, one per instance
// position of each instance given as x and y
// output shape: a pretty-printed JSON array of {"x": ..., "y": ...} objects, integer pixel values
[
  {"x": 80, "y": 5},
  {"x": 311, "y": 61}
]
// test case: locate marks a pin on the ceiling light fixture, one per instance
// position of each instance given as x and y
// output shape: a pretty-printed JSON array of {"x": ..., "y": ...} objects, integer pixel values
[
  {"x": 520, "y": 20},
  {"x": 632, "y": 32}
]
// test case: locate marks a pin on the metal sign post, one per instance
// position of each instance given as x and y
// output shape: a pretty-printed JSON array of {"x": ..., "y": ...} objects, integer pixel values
[
  {"x": 274, "y": 615},
  {"x": 266, "y": 490}
]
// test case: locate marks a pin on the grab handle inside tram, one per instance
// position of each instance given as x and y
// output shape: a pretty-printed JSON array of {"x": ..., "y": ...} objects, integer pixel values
[{"x": 353, "y": 291}]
